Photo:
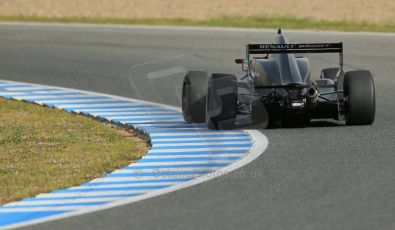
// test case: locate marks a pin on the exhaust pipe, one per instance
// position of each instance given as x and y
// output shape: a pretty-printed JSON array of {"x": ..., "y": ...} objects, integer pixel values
[{"x": 312, "y": 95}]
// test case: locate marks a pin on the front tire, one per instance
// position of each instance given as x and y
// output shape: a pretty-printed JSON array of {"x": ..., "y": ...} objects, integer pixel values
[
  {"x": 359, "y": 96},
  {"x": 221, "y": 101},
  {"x": 194, "y": 92}
]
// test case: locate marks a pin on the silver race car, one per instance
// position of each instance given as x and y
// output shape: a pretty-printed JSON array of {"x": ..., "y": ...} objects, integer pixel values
[{"x": 277, "y": 90}]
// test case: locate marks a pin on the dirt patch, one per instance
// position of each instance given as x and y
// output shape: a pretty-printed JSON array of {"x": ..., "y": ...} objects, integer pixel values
[{"x": 375, "y": 11}]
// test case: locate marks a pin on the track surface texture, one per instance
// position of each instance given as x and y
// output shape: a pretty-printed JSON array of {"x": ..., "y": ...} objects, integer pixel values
[{"x": 326, "y": 176}]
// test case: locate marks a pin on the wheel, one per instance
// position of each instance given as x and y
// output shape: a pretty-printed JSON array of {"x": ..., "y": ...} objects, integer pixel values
[
  {"x": 330, "y": 73},
  {"x": 359, "y": 98},
  {"x": 221, "y": 101},
  {"x": 194, "y": 91}
]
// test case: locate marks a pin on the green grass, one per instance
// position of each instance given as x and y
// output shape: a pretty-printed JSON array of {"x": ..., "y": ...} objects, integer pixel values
[
  {"x": 43, "y": 149},
  {"x": 286, "y": 22}
]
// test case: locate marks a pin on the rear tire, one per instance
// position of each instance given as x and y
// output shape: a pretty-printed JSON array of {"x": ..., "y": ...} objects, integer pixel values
[
  {"x": 359, "y": 96},
  {"x": 221, "y": 101},
  {"x": 194, "y": 92}
]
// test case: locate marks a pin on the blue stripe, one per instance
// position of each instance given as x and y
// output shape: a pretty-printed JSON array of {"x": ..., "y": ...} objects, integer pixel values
[
  {"x": 55, "y": 205},
  {"x": 176, "y": 159},
  {"x": 139, "y": 115},
  {"x": 17, "y": 217}
]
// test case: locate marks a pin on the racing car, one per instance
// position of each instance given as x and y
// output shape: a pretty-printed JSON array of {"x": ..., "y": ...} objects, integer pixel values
[{"x": 277, "y": 90}]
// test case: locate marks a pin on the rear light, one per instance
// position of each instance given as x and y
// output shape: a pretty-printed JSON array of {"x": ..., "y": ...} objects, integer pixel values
[{"x": 241, "y": 61}]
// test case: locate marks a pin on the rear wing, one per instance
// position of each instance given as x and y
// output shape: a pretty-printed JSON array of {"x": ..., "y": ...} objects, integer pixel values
[{"x": 297, "y": 48}]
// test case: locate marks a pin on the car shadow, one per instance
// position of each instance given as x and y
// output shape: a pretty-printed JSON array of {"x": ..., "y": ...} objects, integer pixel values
[
  {"x": 311, "y": 124},
  {"x": 321, "y": 123}
]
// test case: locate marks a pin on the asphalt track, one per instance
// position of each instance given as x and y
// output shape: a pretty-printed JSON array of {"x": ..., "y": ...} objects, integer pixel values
[{"x": 326, "y": 176}]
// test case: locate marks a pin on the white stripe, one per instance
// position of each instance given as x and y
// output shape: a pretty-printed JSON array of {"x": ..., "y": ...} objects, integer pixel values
[
  {"x": 124, "y": 185},
  {"x": 180, "y": 150},
  {"x": 160, "y": 130},
  {"x": 112, "y": 110},
  {"x": 126, "y": 118},
  {"x": 72, "y": 95},
  {"x": 192, "y": 133},
  {"x": 53, "y": 91},
  {"x": 75, "y": 100},
  {"x": 98, "y": 193},
  {"x": 193, "y": 156},
  {"x": 202, "y": 144},
  {"x": 7, "y": 84},
  {"x": 6, "y": 93},
  {"x": 175, "y": 127},
  {"x": 137, "y": 113},
  {"x": 138, "y": 171},
  {"x": 159, "y": 164},
  {"x": 97, "y": 105},
  {"x": 149, "y": 121},
  {"x": 183, "y": 124},
  {"x": 136, "y": 179},
  {"x": 25, "y": 88}
]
